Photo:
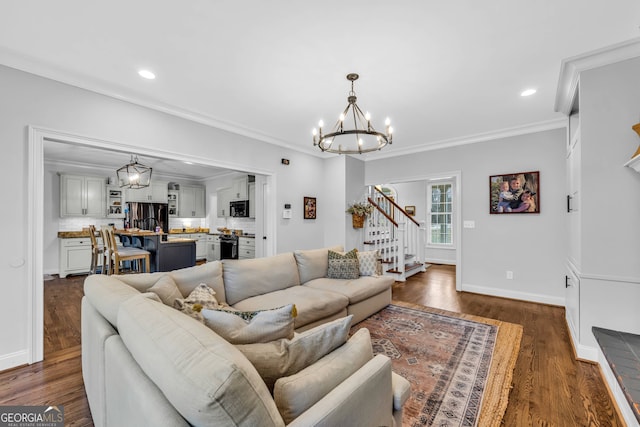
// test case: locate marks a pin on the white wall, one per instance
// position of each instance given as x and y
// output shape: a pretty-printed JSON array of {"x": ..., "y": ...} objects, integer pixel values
[
  {"x": 533, "y": 246},
  {"x": 30, "y": 100}
]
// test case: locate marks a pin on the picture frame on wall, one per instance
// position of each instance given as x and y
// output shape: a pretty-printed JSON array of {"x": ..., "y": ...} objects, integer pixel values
[
  {"x": 411, "y": 210},
  {"x": 517, "y": 192},
  {"x": 310, "y": 208}
]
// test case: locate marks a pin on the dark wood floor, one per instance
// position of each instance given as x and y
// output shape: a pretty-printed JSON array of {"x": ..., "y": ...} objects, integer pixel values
[{"x": 550, "y": 387}]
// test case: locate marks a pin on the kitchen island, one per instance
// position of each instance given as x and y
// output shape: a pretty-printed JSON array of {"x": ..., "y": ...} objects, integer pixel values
[{"x": 166, "y": 255}]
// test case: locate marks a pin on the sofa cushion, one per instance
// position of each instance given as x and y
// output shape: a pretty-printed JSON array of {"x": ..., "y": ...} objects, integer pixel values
[
  {"x": 250, "y": 277},
  {"x": 141, "y": 281},
  {"x": 241, "y": 327},
  {"x": 166, "y": 289},
  {"x": 311, "y": 304},
  {"x": 368, "y": 263},
  {"x": 209, "y": 273},
  {"x": 285, "y": 357},
  {"x": 106, "y": 293},
  {"x": 343, "y": 265},
  {"x": 204, "y": 377},
  {"x": 313, "y": 263},
  {"x": 297, "y": 393},
  {"x": 356, "y": 290}
]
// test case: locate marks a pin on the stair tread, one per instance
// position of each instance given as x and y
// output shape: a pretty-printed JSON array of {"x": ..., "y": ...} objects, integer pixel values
[{"x": 407, "y": 267}]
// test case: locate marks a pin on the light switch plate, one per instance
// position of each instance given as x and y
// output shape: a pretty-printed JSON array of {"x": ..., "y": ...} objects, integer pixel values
[
  {"x": 286, "y": 214},
  {"x": 469, "y": 224}
]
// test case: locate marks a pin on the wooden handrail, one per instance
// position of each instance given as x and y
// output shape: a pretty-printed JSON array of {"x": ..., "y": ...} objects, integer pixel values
[
  {"x": 382, "y": 211},
  {"x": 396, "y": 205}
]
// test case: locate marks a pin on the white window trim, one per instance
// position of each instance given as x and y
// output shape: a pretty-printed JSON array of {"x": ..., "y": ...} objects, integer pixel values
[{"x": 444, "y": 246}]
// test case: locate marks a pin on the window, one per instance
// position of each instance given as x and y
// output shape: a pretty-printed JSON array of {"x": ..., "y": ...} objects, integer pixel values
[{"x": 440, "y": 210}]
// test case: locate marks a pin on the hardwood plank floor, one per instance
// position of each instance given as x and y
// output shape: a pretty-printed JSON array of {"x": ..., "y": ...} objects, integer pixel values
[{"x": 550, "y": 388}]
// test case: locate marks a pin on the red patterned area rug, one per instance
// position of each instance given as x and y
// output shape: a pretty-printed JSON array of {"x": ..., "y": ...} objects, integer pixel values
[{"x": 460, "y": 366}]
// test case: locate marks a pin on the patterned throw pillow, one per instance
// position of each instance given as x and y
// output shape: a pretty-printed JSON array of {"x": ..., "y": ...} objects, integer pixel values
[
  {"x": 246, "y": 327},
  {"x": 343, "y": 266},
  {"x": 368, "y": 261},
  {"x": 201, "y": 297}
]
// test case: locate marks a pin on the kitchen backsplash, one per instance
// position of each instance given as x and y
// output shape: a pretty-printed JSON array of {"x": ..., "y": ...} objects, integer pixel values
[{"x": 76, "y": 224}]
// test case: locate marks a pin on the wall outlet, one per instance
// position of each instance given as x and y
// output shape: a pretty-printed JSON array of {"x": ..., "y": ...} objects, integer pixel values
[{"x": 509, "y": 274}]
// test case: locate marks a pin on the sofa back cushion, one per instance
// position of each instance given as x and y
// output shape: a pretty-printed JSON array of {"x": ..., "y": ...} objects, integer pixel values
[
  {"x": 209, "y": 273},
  {"x": 251, "y": 277},
  {"x": 106, "y": 293},
  {"x": 204, "y": 377},
  {"x": 313, "y": 263}
]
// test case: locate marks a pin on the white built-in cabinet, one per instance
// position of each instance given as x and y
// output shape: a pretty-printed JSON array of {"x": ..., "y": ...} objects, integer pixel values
[
  {"x": 75, "y": 256},
  {"x": 191, "y": 203},
  {"x": 213, "y": 247},
  {"x": 239, "y": 188},
  {"x": 157, "y": 192},
  {"x": 223, "y": 199},
  {"x": 246, "y": 247},
  {"x": 115, "y": 202},
  {"x": 82, "y": 196}
]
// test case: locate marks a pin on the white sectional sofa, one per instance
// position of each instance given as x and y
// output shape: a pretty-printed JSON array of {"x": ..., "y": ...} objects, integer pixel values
[{"x": 145, "y": 363}]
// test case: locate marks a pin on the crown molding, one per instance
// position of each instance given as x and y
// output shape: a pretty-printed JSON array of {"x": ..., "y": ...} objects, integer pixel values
[
  {"x": 558, "y": 123},
  {"x": 571, "y": 68}
]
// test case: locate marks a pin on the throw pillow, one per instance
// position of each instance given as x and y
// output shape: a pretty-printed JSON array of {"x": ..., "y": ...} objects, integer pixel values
[
  {"x": 286, "y": 357},
  {"x": 297, "y": 393},
  {"x": 246, "y": 327},
  {"x": 368, "y": 262},
  {"x": 166, "y": 289},
  {"x": 343, "y": 266},
  {"x": 201, "y": 297}
]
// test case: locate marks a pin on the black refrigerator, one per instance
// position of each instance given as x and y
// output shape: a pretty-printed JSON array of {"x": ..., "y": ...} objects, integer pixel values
[{"x": 147, "y": 216}]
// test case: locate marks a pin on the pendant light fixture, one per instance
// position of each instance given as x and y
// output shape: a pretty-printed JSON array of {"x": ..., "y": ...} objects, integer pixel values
[
  {"x": 134, "y": 175},
  {"x": 363, "y": 138}
]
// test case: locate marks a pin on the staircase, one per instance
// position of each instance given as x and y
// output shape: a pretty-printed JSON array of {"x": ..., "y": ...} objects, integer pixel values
[{"x": 396, "y": 235}]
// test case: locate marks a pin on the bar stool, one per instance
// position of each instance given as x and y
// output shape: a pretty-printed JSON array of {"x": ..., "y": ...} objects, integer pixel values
[
  {"x": 96, "y": 251},
  {"x": 119, "y": 254}
]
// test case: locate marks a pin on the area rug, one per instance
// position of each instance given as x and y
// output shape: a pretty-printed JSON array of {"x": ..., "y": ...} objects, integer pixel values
[{"x": 460, "y": 366}]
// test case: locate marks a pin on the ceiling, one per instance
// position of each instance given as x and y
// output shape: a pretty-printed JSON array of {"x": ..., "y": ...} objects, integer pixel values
[{"x": 444, "y": 72}]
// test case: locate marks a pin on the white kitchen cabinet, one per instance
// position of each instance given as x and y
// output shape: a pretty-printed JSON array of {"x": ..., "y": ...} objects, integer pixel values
[
  {"x": 191, "y": 203},
  {"x": 115, "y": 202},
  {"x": 239, "y": 188},
  {"x": 213, "y": 247},
  {"x": 223, "y": 199},
  {"x": 246, "y": 247},
  {"x": 82, "y": 196},
  {"x": 157, "y": 192},
  {"x": 173, "y": 197},
  {"x": 201, "y": 245},
  {"x": 252, "y": 200},
  {"x": 75, "y": 256}
]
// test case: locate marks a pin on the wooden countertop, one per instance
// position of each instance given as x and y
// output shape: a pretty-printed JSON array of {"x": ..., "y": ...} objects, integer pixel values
[{"x": 72, "y": 234}]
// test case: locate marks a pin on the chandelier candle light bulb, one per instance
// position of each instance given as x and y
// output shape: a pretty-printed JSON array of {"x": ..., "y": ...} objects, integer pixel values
[{"x": 366, "y": 139}]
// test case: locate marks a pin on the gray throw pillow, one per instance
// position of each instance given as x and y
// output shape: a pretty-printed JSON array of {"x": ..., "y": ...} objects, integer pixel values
[{"x": 343, "y": 265}]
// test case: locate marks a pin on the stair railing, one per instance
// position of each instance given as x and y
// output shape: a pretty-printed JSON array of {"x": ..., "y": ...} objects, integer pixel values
[{"x": 398, "y": 237}]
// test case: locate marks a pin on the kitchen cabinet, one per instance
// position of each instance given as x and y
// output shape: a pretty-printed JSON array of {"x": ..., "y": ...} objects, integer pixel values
[
  {"x": 201, "y": 245},
  {"x": 82, "y": 196},
  {"x": 252, "y": 200},
  {"x": 213, "y": 247},
  {"x": 191, "y": 203},
  {"x": 157, "y": 192},
  {"x": 239, "y": 188},
  {"x": 115, "y": 202},
  {"x": 75, "y": 256},
  {"x": 223, "y": 199},
  {"x": 173, "y": 197},
  {"x": 246, "y": 247}
]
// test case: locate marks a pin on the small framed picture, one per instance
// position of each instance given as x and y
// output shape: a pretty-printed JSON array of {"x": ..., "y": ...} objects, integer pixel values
[
  {"x": 309, "y": 208},
  {"x": 411, "y": 210},
  {"x": 517, "y": 192}
]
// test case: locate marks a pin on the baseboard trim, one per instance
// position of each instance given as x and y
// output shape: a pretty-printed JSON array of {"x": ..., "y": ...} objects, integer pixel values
[
  {"x": 12, "y": 360},
  {"x": 523, "y": 296},
  {"x": 617, "y": 395},
  {"x": 440, "y": 261}
]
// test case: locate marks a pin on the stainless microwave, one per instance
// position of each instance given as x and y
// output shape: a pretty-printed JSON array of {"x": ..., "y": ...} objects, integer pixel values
[{"x": 239, "y": 209}]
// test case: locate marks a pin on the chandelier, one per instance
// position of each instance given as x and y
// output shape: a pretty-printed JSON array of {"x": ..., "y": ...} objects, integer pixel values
[
  {"x": 134, "y": 175},
  {"x": 365, "y": 137}
]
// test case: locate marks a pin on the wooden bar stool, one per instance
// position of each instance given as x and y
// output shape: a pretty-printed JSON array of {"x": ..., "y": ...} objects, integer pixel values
[
  {"x": 96, "y": 251},
  {"x": 119, "y": 254}
]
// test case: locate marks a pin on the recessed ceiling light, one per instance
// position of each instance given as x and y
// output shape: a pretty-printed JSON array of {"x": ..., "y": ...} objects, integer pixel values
[
  {"x": 528, "y": 92},
  {"x": 188, "y": 163},
  {"x": 147, "y": 74}
]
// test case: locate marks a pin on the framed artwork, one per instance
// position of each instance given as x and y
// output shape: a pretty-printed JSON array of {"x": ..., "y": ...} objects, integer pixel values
[
  {"x": 514, "y": 193},
  {"x": 309, "y": 208},
  {"x": 411, "y": 210}
]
